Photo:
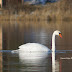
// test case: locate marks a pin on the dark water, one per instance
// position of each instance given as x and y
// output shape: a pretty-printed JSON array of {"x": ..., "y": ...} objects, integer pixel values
[{"x": 16, "y": 34}]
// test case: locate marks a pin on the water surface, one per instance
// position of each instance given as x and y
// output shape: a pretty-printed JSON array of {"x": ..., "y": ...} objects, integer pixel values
[{"x": 16, "y": 34}]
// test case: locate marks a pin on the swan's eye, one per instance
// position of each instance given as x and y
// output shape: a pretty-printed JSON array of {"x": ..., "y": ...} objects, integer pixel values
[{"x": 59, "y": 33}]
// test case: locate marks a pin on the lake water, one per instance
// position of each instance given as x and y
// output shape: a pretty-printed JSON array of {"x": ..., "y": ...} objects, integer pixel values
[{"x": 16, "y": 34}]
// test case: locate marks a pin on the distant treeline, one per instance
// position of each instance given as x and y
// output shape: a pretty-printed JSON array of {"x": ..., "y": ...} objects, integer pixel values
[{"x": 7, "y": 3}]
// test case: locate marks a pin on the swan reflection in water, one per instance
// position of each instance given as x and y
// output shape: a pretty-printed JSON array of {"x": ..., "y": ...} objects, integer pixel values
[
  {"x": 34, "y": 61},
  {"x": 55, "y": 63},
  {"x": 40, "y": 63}
]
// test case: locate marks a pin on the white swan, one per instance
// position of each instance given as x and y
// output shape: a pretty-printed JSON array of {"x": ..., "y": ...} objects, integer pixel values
[
  {"x": 39, "y": 47},
  {"x": 31, "y": 47},
  {"x": 35, "y": 53}
]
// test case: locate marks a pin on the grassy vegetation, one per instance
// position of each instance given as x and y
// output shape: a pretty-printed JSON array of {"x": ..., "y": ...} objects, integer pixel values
[{"x": 61, "y": 10}]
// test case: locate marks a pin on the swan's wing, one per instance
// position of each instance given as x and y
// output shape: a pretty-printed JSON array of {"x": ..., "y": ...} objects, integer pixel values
[
  {"x": 24, "y": 46},
  {"x": 33, "y": 47}
]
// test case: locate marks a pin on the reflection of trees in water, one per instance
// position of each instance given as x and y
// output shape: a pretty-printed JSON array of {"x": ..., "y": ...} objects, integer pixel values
[{"x": 40, "y": 32}]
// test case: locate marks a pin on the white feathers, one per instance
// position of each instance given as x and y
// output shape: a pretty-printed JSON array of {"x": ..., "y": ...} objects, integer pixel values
[{"x": 33, "y": 47}]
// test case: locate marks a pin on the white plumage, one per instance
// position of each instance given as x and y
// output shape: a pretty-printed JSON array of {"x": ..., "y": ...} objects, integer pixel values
[{"x": 33, "y": 47}]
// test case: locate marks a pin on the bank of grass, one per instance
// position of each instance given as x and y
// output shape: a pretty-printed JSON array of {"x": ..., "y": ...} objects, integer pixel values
[{"x": 61, "y": 10}]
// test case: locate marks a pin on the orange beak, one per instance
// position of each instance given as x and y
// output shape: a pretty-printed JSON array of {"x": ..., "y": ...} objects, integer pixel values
[{"x": 60, "y": 35}]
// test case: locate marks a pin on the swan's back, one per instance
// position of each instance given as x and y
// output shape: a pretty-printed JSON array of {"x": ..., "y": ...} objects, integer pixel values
[{"x": 33, "y": 47}]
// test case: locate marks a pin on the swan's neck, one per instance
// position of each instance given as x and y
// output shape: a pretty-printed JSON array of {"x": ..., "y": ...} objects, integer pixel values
[{"x": 53, "y": 42}]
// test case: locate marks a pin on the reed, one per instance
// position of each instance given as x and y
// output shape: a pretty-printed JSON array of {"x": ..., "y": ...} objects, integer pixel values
[{"x": 61, "y": 10}]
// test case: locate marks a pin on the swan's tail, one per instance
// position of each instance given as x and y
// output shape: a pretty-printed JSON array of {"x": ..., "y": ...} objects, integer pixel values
[{"x": 14, "y": 51}]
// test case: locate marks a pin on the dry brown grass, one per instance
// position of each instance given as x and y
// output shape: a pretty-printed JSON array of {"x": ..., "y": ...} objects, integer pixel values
[{"x": 61, "y": 10}]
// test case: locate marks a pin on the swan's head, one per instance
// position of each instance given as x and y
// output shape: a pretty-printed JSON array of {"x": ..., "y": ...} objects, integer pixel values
[{"x": 57, "y": 32}]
